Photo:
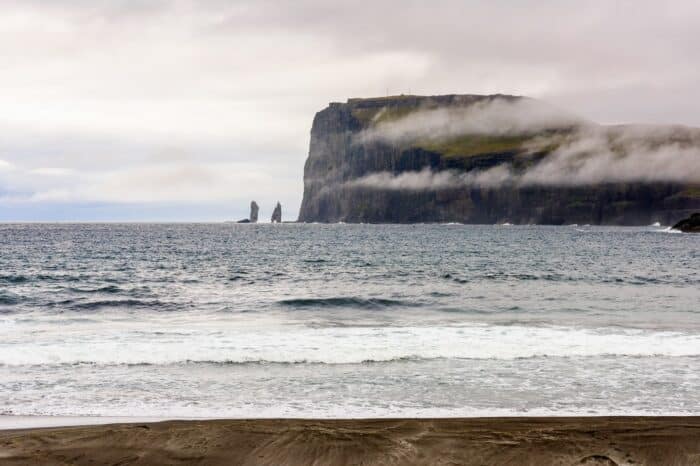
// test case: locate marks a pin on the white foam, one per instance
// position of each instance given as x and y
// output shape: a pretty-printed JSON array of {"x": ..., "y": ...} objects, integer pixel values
[
  {"x": 339, "y": 411},
  {"x": 144, "y": 342}
]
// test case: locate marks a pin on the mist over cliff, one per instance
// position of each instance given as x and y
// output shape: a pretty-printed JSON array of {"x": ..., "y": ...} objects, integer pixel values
[{"x": 488, "y": 159}]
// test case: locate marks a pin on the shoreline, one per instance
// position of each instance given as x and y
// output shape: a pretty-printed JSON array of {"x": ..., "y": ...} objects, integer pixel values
[
  {"x": 23, "y": 422},
  {"x": 616, "y": 440},
  {"x": 10, "y": 422}
]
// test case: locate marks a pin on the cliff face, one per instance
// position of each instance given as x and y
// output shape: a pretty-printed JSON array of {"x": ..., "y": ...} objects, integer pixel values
[{"x": 361, "y": 151}]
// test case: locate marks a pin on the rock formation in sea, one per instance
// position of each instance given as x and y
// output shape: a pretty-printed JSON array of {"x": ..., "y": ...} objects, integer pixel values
[
  {"x": 254, "y": 212},
  {"x": 689, "y": 225},
  {"x": 493, "y": 159},
  {"x": 277, "y": 214}
]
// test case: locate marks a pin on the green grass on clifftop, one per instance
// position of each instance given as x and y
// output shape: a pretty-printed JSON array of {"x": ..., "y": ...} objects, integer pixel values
[
  {"x": 369, "y": 116},
  {"x": 471, "y": 145}
]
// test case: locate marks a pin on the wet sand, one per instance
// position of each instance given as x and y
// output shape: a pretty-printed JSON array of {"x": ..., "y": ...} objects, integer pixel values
[{"x": 479, "y": 441}]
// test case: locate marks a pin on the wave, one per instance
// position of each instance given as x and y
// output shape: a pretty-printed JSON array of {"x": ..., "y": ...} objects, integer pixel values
[
  {"x": 353, "y": 302},
  {"x": 19, "y": 278},
  {"x": 160, "y": 343},
  {"x": 121, "y": 303},
  {"x": 9, "y": 299},
  {"x": 556, "y": 277},
  {"x": 135, "y": 409},
  {"x": 496, "y": 276},
  {"x": 102, "y": 289},
  {"x": 13, "y": 279},
  {"x": 316, "y": 362},
  {"x": 59, "y": 278},
  {"x": 232, "y": 362}
]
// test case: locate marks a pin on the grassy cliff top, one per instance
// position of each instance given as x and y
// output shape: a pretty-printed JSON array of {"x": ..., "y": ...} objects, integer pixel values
[
  {"x": 471, "y": 145},
  {"x": 442, "y": 98},
  {"x": 376, "y": 110},
  {"x": 377, "y": 114}
]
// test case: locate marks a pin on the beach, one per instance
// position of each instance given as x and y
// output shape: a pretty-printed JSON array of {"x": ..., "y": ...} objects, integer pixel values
[{"x": 475, "y": 441}]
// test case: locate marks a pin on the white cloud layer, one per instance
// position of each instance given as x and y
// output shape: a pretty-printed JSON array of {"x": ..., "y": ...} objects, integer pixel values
[
  {"x": 497, "y": 117},
  {"x": 591, "y": 155}
]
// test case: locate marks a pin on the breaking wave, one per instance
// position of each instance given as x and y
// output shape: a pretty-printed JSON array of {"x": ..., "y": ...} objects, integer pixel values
[{"x": 352, "y": 302}]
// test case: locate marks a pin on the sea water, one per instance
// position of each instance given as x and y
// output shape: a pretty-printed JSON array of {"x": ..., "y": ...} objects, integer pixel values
[{"x": 293, "y": 320}]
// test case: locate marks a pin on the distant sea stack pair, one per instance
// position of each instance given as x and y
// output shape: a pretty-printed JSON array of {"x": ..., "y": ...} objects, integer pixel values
[{"x": 254, "y": 209}]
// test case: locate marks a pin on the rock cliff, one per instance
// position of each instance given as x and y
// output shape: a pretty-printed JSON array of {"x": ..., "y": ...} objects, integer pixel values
[{"x": 492, "y": 159}]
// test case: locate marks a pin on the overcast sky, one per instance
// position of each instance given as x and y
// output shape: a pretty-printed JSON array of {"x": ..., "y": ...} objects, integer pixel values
[{"x": 187, "y": 110}]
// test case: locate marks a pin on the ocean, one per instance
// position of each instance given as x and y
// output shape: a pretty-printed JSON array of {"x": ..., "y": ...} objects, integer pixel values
[{"x": 330, "y": 321}]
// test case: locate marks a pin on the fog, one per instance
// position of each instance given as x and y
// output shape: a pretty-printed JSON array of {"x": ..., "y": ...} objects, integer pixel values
[
  {"x": 496, "y": 117},
  {"x": 584, "y": 153}
]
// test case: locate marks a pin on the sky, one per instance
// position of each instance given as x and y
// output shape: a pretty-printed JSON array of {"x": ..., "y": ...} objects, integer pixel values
[{"x": 135, "y": 110}]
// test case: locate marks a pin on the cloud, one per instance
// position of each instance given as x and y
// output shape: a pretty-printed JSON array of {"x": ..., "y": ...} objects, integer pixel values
[
  {"x": 99, "y": 87},
  {"x": 51, "y": 171},
  {"x": 429, "y": 180},
  {"x": 5, "y": 165},
  {"x": 589, "y": 156},
  {"x": 620, "y": 155},
  {"x": 495, "y": 117},
  {"x": 180, "y": 182}
]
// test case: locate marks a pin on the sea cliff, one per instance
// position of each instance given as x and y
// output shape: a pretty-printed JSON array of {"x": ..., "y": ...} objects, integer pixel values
[{"x": 492, "y": 159}]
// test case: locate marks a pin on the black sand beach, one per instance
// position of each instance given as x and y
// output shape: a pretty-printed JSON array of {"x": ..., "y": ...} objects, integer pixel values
[{"x": 477, "y": 441}]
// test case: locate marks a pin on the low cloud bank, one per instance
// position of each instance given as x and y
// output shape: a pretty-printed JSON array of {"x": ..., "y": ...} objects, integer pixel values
[
  {"x": 428, "y": 180},
  {"x": 591, "y": 156},
  {"x": 594, "y": 157},
  {"x": 579, "y": 152},
  {"x": 495, "y": 117}
]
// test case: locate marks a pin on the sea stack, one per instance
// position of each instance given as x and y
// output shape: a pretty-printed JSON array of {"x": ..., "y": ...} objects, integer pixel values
[
  {"x": 277, "y": 214},
  {"x": 254, "y": 212}
]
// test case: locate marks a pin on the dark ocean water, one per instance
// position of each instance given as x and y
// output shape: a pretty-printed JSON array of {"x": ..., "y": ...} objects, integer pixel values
[{"x": 226, "y": 320}]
